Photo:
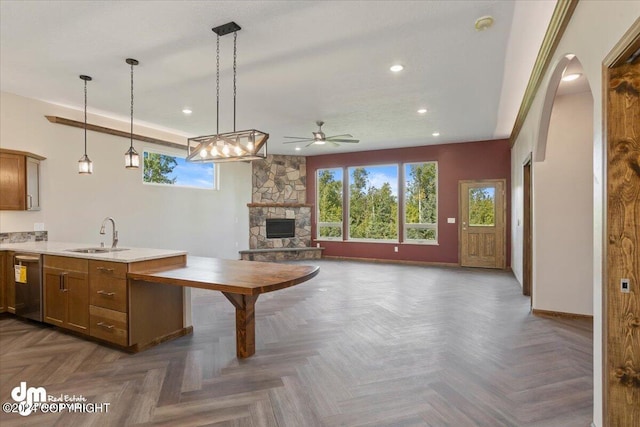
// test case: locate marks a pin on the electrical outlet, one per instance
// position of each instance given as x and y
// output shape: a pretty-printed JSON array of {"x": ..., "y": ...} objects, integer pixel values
[
  {"x": 38, "y": 226},
  {"x": 625, "y": 286},
  {"x": 317, "y": 245},
  {"x": 395, "y": 249}
]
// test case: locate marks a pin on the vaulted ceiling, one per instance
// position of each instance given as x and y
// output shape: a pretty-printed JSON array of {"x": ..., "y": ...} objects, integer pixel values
[{"x": 298, "y": 62}]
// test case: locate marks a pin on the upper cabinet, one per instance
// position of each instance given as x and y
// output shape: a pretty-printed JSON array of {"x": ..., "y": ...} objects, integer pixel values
[{"x": 19, "y": 180}]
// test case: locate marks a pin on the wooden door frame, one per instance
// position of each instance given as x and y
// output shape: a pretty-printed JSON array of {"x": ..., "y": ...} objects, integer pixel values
[
  {"x": 527, "y": 229},
  {"x": 628, "y": 44},
  {"x": 504, "y": 213}
]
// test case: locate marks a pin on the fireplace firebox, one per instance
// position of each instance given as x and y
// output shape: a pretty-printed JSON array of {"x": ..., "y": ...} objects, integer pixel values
[{"x": 281, "y": 228}]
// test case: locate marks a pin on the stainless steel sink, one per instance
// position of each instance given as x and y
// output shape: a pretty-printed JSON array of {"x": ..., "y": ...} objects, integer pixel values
[{"x": 96, "y": 250}]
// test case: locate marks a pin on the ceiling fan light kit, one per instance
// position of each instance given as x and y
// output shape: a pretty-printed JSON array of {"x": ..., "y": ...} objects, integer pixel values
[
  {"x": 231, "y": 146},
  {"x": 319, "y": 138}
]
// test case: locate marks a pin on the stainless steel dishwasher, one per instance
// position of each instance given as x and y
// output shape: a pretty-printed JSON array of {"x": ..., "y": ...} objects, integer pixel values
[{"x": 28, "y": 285}]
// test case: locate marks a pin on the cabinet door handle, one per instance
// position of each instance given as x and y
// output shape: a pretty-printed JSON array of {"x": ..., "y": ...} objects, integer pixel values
[
  {"x": 105, "y": 293},
  {"x": 60, "y": 283},
  {"x": 64, "y": 282},
  {"x": 30, "y": 198},
  {"x": 105, "y": 269},
  {"x": 104, "y": 325}
]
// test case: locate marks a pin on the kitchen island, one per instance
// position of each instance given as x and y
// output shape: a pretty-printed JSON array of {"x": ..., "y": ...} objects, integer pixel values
[{"x": 136, "y": 298}]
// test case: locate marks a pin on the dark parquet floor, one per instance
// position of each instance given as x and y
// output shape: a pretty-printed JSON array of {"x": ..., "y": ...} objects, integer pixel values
[{"x": 362, "y": 344}]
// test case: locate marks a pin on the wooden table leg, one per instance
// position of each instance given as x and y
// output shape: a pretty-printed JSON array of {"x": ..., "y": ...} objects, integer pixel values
[{"x": 245, "y": 323}]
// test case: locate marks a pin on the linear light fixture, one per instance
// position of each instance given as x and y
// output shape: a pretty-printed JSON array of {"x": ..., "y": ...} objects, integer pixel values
[{"x": 231, "y": 146}]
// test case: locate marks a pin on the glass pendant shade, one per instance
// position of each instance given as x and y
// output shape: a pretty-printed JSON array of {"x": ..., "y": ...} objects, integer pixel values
[
  {"x": 85, "y": 165},
  {"x": 131, "y": 158}
]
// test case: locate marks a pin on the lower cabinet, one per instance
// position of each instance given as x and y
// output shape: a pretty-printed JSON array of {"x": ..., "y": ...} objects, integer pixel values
[
  {"x": 108, "y": 301},
  {"x": 66, "y": 292},
  {"x": 95, "y": 298}
]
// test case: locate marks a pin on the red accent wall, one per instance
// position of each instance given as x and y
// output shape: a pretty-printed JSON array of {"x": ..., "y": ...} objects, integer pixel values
[{"x": 462, "y": 161}]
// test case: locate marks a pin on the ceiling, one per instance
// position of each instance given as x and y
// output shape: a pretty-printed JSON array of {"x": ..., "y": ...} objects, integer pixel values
[{"x": 298, "y": 62}]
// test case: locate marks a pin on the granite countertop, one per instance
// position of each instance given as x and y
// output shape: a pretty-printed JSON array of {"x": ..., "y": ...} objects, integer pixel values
[{"x": 62, "y": 249}]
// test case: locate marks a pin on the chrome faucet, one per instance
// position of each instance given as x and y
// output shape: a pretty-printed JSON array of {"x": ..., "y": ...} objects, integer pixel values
[{"x": 114, "y": 241}]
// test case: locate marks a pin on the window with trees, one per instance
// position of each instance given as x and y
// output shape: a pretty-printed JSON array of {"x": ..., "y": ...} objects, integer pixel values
[
  {"x": 329, "y": 185},
  {"x": 373, "y": 202},
  {"x": 167, "y": 169},
  {"x": 421, "y": 202}
]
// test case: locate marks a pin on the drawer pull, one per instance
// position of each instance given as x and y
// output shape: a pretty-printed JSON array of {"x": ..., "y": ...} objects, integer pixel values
[
  {"x": 104, "y": 325},
  {"x": 105, "y": 269},
  {"x": 105, "y": 293}
]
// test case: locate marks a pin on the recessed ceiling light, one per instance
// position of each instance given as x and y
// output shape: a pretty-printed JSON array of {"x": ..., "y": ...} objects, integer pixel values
[
  {"x": 484, "y": 22},
  {"x": 571, "y": 77},
  {"x": 422, "y": 111},
  {"x": 187, "y": 111},
  {"x": 396, "y": 68},
  {"x": 297, "y": 148},
  {"x": 436, "y": 134}
]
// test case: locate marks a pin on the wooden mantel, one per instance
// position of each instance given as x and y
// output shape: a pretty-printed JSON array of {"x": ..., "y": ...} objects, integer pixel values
[
  {"x": 110, "y": 131},
  {"x": 279, "y": 205}
]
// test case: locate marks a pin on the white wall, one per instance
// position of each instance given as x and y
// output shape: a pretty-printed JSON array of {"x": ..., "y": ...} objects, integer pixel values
[
  {"x": 595, "y": 28},
  {"x": 562, "y": 210},
  {"x": 204, "y": 222}
]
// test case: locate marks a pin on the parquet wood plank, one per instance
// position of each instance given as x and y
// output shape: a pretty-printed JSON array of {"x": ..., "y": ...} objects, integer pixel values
[{"x": 361, "y": 344}]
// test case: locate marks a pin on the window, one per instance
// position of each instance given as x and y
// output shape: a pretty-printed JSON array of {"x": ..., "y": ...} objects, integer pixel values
[
  {"x": 373, "y": 202},
  {"x": 167, "y": 169},
  {"x": 329, "y": 185},
  {"x": 421, "y": 202},
  {"x": 482, "y": 206}
]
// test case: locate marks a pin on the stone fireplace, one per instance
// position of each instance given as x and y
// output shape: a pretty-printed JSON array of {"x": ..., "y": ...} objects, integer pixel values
[{"x": 279, "y": 193}]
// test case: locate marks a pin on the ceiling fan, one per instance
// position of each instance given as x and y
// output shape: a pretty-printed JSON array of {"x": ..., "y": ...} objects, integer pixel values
[{"x": 319, "y": 138}]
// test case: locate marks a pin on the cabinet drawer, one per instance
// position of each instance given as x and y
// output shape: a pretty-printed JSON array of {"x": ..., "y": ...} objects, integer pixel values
[
  {"x": 107, "y": 269},
  {"x": 108, "y": 292},
  {"x": 108, "y": 325},
  {"x": 66, "y": 263}
]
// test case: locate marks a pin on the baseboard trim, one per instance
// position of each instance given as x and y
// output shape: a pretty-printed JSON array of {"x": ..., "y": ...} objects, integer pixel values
[
  {"x": 392, "y": 261},
  {"x": 562, "y": 314}
]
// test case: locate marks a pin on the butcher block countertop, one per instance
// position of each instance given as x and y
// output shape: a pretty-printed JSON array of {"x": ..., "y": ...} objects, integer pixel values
[
  {"x": 231, "y": 276},
  {"x": 62, "y": 249}
]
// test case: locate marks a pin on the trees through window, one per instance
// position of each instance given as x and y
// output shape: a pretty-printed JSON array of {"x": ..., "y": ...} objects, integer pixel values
[
  {"x": 329, "y": 203},
  {"x": 372, "y": 202},
  {"x": 421, "y": 201},
  {"x": 167, "y": 169}
]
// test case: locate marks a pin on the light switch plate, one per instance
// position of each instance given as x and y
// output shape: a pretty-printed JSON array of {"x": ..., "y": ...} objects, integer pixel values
[
  {"x": 451, "y": 220},
  {"x": 625, "y": 286}
]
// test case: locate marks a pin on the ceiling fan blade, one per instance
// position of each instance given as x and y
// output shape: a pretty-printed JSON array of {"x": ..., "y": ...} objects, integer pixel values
[
  {"x": 333, "y": 143},
  {"x": 297, "y": 137},
  {"x": 352, "y": 141},
  {"x": 295, "y": 142},
  {"x": 311, "y": 143},
  {"x": 340, "y": 136}
]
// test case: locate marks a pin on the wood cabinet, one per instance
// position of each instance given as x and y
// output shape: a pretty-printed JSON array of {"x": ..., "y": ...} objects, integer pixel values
[
  {"x": 19, "y": 180},
  {"x": 108, "y": 301},
  {"x": 66, "y": 292},
  {"x": 4, "y": 281}
]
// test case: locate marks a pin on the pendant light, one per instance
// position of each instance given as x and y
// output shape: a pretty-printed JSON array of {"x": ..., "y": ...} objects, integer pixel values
[
  {"x": 231, "y": 146},
  {"x": 131, "y": 157},
  {"x": 85, "y": 165}
]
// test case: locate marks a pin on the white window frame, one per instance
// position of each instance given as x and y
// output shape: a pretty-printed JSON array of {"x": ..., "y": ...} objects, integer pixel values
[
  {"x": 418, "y": 226},
  {"x": 328, "y": 224},
  {"x": 216, "y": 171},
  {"x": 348, "y": 237}
]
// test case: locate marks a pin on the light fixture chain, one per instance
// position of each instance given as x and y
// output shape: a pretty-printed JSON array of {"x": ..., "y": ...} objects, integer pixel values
[
  {"x": 218, "y": 85},
  {"x": 85, "y": 117},
  {"x": 131, "y": 104},
  {"x": 235, "y": 54}
]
